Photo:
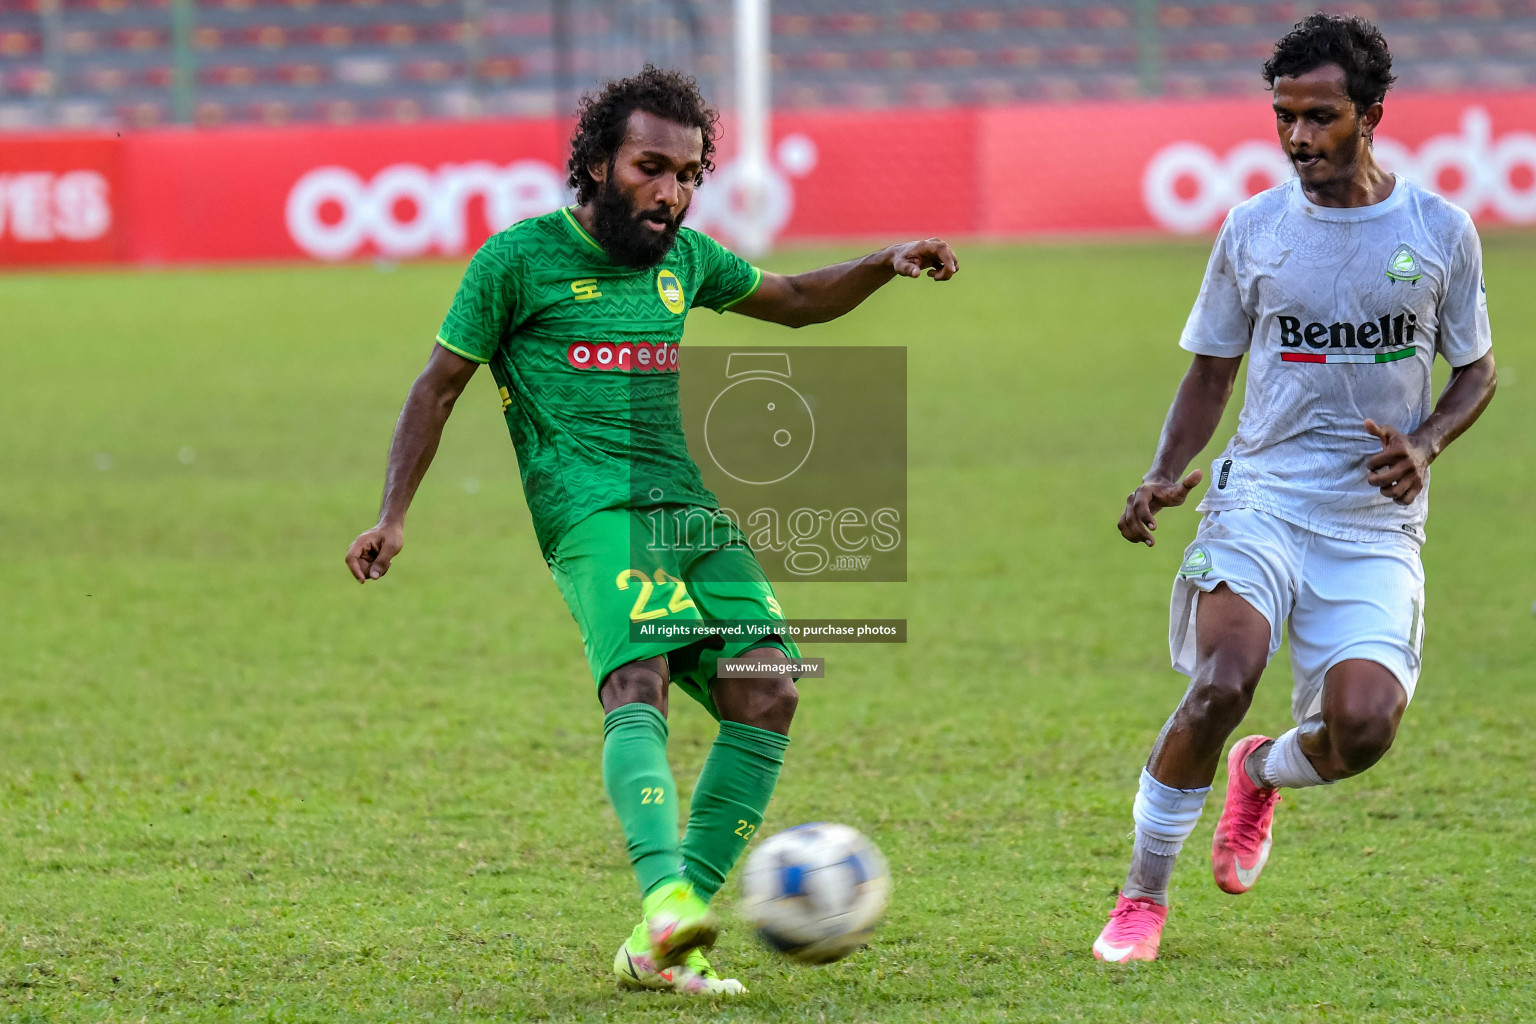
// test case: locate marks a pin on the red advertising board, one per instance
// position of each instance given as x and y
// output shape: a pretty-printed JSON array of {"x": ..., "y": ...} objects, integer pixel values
[
  {"x": 1180, "y": 166},
  {"x": 337, "y": 193},
  {"x": 859, "y": 174},
  {"x": 60, "y": 199},
  {"x": 334, "y": 193}
]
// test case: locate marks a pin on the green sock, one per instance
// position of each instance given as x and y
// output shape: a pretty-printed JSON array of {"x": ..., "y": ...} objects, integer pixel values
[
  {"x": 728, "y": 803},
  {"x": 639, "y": 783}
]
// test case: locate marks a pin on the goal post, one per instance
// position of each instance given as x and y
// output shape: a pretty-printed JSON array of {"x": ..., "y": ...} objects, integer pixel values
[{"x": 753, "y": 97}]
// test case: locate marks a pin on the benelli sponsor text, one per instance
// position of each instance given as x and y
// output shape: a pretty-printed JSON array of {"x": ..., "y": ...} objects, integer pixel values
[{"x": 1390, "y": 336}]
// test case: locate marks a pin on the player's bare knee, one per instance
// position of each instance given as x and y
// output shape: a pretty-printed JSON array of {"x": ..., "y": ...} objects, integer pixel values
[
  {"x": 764, "y": 703},
  {"x": 1361, "y": 737},
  {"x": 639, "y": 682},
  {"x": 782, "y": 699},
  {"x": 1221, "y": 696},
  {"x": 1358, "y": 751}
]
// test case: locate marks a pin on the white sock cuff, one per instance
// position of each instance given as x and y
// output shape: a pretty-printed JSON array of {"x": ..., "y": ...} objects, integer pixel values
[
  {"x": 1165, "y": 816},
  {"x": 1287, "y": 765}
]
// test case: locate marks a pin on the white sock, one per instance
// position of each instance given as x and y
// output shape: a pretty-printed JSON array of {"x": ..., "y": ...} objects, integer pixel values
[
  {"x": 1164, "y": 819},
  {"x": 1286, "y": 765}
]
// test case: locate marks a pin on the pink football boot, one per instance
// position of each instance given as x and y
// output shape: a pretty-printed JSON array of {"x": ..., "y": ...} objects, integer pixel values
[
  {"x": 1243, "y": 833},
  {"x": 1133, "y": 932}
]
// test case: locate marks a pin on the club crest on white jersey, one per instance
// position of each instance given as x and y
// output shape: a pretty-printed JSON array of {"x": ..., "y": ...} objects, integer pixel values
[{"x": 1404, "y": 264}]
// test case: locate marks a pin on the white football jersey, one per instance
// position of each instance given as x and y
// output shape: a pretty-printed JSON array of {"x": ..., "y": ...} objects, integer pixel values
[{"x": 1341, "y": 312}]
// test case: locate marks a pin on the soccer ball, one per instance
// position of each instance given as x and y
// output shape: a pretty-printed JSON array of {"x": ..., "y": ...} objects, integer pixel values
[{"x": 815, "y": 892}]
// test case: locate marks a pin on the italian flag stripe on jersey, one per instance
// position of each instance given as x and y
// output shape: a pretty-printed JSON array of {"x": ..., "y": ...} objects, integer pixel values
[{"x": 1346, "y": 357}]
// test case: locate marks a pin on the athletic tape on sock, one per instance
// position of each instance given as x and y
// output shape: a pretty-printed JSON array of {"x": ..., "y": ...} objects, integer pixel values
[
  {"x": 1165, "y": 816},
  {"x": 1287, "y": 764}
]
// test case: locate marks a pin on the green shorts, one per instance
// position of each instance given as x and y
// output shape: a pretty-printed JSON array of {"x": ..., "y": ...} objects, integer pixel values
[{"x": 610, "y": 581}]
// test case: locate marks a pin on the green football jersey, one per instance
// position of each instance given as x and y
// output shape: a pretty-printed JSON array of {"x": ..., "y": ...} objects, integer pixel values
[{"x": 585, "y": 355}]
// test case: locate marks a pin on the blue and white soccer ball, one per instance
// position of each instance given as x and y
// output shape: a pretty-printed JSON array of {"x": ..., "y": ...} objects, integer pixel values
[{"x": 815, "y": 892}]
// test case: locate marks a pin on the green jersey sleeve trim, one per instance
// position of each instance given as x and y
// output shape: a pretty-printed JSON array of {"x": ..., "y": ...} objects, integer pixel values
[
  {"x": 460, "y": 352},
  {"x": 580, "y": 230},
  {"x": 757, "y": 280}
]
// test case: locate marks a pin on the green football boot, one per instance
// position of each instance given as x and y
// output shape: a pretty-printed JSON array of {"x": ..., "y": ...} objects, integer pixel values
[
  {"x": 677, "y": 921},
  {"x": 634, "y": 968}
]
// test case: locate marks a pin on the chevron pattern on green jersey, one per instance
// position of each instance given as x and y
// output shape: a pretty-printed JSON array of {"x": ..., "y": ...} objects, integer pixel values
[{"x": 538, "y": 288}]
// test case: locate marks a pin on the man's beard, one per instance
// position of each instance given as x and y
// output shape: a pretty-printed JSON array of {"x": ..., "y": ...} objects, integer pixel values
[{"x": 620, "y": 230}]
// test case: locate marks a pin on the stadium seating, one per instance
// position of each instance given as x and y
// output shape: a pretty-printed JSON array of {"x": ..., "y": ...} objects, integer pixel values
[{"x": 112, "y": 62}]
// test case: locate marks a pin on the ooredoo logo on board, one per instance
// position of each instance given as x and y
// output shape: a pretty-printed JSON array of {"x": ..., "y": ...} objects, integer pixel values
[
  {"x": 406, "y": 210},
  {"x": 409, "y": 210},
  {"x": 1187, "y": 187}
]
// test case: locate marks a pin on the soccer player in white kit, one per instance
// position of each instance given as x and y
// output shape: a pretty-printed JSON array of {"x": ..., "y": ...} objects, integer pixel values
[{"x": 1340, "y": 286}]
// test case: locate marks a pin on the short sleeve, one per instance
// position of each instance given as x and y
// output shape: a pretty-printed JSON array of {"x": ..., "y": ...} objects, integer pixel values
[
  {"x": 484, "y": 305},
  {"x": 1219, "y": 325},
  {"x": 1465, "y": 336},
  {"x": 724, "y": 277}
]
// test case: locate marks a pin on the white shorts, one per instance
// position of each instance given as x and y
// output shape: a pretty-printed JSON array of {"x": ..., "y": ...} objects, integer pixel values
[{"x": 1343, "y": 599}]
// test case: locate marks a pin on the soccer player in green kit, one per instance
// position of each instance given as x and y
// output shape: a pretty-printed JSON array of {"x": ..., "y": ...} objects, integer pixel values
[{"x": 579, "y": 313}]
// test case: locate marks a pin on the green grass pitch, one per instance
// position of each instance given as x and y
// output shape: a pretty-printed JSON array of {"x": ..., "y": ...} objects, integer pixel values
[{"x": 234, "y": 785}]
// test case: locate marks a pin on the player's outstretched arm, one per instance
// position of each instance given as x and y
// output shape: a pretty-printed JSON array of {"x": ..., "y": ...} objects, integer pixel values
[
  {"x": 1401, "y": 468},
  {"x": 1192, "y": 419},
  {"x": 417, "y": 433},
  {"x": 826, "y": 293}
]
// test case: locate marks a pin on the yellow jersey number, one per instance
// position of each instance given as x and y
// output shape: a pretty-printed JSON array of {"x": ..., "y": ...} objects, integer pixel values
[{"x": 680, "y": 601}]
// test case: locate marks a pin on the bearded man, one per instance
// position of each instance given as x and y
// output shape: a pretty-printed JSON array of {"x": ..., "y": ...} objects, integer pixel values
[{"x": 579, "y": 313}]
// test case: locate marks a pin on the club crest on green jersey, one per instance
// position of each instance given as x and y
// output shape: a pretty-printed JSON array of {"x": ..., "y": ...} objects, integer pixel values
[
  {"x": 1404, "y": 264},
  {"x": 670, "y": 289}
]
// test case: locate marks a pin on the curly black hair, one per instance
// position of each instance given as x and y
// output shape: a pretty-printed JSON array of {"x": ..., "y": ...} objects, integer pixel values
[
  {"x": 1354, "y": 44},
  {"x": 605, "y": 116}
]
